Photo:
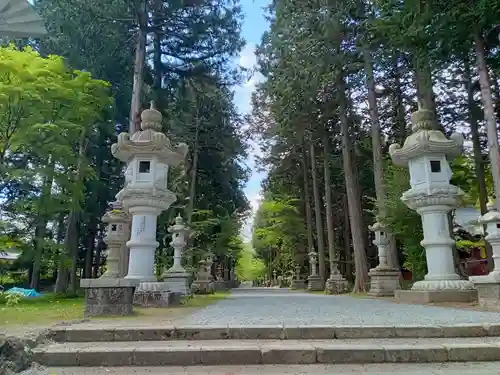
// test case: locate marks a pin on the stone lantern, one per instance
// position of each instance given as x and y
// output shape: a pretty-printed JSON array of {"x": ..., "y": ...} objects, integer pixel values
[
  {"x": 314, "y": 281},
  {"x": 336, "y": 283},
  {"x": 384, "y": 280},
  {"x": 297, "y": 283},
  {"x": 204, "y": 281},
  {"x": 176, "y": 276},
  {"x": 148, "y": 154},
  {"x": 275, "y": 277},
  {"x": 488, "y": 286},
  {"x": 117, "y": 234},
  {"x": 425, "y": 152}
]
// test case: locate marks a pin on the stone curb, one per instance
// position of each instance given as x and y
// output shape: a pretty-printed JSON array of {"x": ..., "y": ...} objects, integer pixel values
[
  {"x": 275, "y": 332},
  {"x": 271, "y": 354}
]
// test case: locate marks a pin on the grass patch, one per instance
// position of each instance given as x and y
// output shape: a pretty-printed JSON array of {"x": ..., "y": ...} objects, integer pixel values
[
  {"x": 317, "y": 292},
  {"x": 51, "y": 308},
  {"x": 42, "y": 310},
  {"x": 203, "y": 300}
]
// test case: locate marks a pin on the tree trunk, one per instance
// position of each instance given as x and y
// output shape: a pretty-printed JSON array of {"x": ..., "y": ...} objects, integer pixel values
[
  {"x": 329, "y": 209},
  {"x": 378, "y": 163},
  {"x": 193, "y": 174},
  {"x": 71, "y": 237},
  {"x": 489, "y": 114},
  {"x": 317, "y": 213},
  {"x": 423, "y": 82},
  {"x": 476, "y": 142},
  {"x": 399, "y": 109},
  {"x": 307, "y": 200},
  {"x": 97, "y": 267},
  {"x": 90, "y": 245},
  {"x": 353, "y": 194},
  {"x": 41, "y": 225},
  {"x": 140, "y": 56},
  {"x": 347, "y": 242},
  {"x": 157, "y": 54}
]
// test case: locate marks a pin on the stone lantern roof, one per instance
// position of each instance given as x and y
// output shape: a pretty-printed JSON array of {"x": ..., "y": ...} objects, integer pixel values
[
  {"x": 116, "y": 214},
  {"x": 149, "y": 140},
  {"x": 425, "y": 139},
  {"x": 492, "y": 216}
]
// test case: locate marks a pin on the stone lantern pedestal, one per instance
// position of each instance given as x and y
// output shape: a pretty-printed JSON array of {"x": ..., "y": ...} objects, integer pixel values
[
  {"x": 148, "y": 154},
  {"x": 384, "y": 280},
  {"x": 488, "y": 286},
  {"x": 425, "y": 152},
  {"x": 111, "y": 295},
  {"x": 314, "y": 282},
  {"x": 108, "y": 297},
  {"x": 297, "y": 283}
]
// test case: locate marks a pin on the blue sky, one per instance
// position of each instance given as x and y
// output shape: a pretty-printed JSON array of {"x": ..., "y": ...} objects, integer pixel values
[{"x": 253, "y": 27}]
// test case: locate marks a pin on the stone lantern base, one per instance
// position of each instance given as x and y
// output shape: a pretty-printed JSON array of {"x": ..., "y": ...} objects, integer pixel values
[
  {"x": 298, "y": 284},
  {"x": 221, "y": 286},
  {"x": 155, "y": 294},
  {"x": 108, "y": 297},
  {"x": 314, "y": 283},
  {"x": 203, "y": 287},
  {"x": 384, "y": 282},
  {"x": 336, "y": 284},
  {"x": 428, "y": 291},
  {"x": 177, "y": 281},
  {"x": 488, "y": 289},
  {"x": 433, "y": 296}
]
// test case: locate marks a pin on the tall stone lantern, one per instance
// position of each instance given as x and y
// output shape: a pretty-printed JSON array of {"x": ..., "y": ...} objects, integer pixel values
[
  {"x": 148, "y": 154},
  {"x": 425, "y": 152}
]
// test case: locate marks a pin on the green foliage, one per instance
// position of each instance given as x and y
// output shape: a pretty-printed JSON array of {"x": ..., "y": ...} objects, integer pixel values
[
  {"x": 249, "y": 267},
  {"x": 467, "y": 245},
  {"x": 278, "y": 228},
  {"x": 403, "y": 222}
]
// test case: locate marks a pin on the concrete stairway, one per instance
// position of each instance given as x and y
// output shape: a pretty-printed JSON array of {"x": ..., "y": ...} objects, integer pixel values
[{"x": 254, "y": 345}]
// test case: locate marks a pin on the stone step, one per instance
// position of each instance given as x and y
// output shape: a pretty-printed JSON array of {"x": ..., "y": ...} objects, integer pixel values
[
  {"x": 86, "y": 333},
  {"x": 268, "y": 352},
  {"x": 450, "y": 368}
]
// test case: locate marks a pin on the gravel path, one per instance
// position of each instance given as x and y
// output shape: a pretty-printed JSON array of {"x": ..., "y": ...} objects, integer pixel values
[
  {"x": 262, "y": 306},
  {"x": 477, "y": 368}
]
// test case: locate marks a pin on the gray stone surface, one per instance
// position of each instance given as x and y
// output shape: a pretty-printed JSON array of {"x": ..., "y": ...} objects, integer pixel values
[
  {"x": 147, "y": 298},
  {"x": 108, "y": 301},
  {"x": 314, "y": 284},
  {"x": 278, "y": 306},
  {"x": 430, "y": 296},
  {"x": 488, "y": 294},
  {"x": 232, "y": 352},
  {"x": 336, "y": 284},
  {"x": 266, "y": 332},
  {"x": 383, "y": 282},
  {"x": 477, "y": 368}
]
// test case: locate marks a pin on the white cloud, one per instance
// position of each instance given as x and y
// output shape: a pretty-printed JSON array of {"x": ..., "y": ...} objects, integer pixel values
[{"x": 243, "y": 93}]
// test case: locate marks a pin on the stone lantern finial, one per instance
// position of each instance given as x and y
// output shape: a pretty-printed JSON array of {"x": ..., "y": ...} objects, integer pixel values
[
  {"x": 151, "y": 118},
  {"x": 423, "y": 119}
]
